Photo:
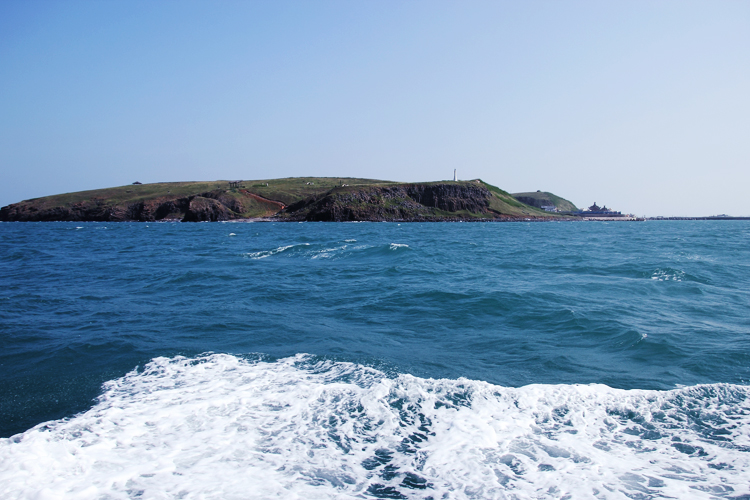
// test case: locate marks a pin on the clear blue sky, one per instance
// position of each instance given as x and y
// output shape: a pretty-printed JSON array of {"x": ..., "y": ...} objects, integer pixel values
[{"x": 641, "y": 105}]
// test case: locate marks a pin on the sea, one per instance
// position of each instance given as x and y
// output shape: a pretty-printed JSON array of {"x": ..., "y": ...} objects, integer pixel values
[{"x": 263, "y": 360}]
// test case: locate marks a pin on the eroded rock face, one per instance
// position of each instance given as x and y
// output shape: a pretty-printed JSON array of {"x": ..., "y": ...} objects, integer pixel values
[
  {"x": 451, "y": 197},
  {"x": 215, "y": 206},
  {"x": 94, "y": 210},
  {"x": 203, "y": 209},
  {"x": 230, "y": 202},
  {"x": 406, "y": 202},
  {"x": 152, "y": 210}
]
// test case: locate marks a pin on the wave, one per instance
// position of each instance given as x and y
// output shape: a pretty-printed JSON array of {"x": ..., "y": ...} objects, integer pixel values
[
  {"x": 268, "y": 253},
  {"x": 668, "y": 274},
  {"x": 327, "y": 251},
  {"x": 222, "y": 426}
]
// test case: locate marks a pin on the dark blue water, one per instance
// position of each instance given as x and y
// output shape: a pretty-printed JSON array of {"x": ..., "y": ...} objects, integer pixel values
[
  {"x": 650, "y": 305},
  {"x": 375, "y": 360}
]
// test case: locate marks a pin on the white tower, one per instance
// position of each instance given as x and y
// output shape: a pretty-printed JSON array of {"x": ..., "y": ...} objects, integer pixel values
[{"x": 454, "y": 175}]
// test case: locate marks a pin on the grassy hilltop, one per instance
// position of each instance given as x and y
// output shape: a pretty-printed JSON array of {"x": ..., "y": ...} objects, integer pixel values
[
  {"x": 297, "y": 198},
  {"x": 542, "y": 198}
]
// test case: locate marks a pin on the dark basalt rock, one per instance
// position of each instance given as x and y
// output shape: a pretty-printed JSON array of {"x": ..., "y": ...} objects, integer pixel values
[
  {"x": 451, "y": 197},
  {"x": 391, "y": 202},
  {"x": 411, "y": 202},
  {"x": 534, "y": 202},
  {"x": 95, "y": 210},
  {"x": 152, "y": 210},
  {"x": 210, "y": 206},
  {"x": 225, "y": 199},
  {"x": 195, "y": 208},
  {"x": 203, "y": 209}
]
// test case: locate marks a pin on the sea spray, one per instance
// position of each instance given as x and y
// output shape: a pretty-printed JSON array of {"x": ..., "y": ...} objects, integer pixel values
[{"x": 222, "y": 426}]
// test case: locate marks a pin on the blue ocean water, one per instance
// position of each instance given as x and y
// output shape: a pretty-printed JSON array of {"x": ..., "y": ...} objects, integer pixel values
[{"x": 376, "y": 360}]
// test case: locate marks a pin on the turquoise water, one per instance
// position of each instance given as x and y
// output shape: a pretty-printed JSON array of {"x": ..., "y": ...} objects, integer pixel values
[{"x": 444, "y": 360}]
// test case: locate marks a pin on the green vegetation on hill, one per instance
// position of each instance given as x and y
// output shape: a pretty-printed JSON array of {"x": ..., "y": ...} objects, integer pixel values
[
  {"x": 293, "y": 189},
  {"x": 129, "y": 193},
  {"x": 544, "y": 198},
  {"x": 503, "y": 202},
  {"x": 297, "y": 198},
  {"x": 438, "y": 200},
  {"x": 286, "y": 191}
]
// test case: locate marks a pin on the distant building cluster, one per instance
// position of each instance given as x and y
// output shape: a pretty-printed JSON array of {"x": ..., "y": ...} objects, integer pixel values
[
  {"x": 597, "y": 208},
  {"x": 597, "y": 211}
]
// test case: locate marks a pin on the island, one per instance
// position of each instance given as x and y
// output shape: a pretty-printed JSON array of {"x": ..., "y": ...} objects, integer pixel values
[{"x": 290, "y": 199}]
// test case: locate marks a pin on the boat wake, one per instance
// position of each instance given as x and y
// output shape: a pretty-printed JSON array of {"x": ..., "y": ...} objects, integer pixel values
[{"x": 222, "y": 426}]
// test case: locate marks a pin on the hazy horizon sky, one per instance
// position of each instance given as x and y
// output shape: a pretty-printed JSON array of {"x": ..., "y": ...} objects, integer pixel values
[{"x": 641, "y": 105}]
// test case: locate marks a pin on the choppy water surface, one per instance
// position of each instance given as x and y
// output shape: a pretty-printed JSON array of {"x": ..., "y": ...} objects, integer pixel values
[{"x": 375, "y": 360}]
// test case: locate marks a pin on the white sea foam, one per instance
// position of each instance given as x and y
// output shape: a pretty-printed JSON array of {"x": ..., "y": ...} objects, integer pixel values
[
  {"x": 396, "y": 246},
  {"x": 327, "y": 253},
  {"x": 668, "y": 275},
  {"x": 309, "y": 251},
  {"x": 226, "y": 428},
  {"x": 267, "y": 253}
]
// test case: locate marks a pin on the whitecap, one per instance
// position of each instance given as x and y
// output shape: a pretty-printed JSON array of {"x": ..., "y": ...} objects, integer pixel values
[
  {"x": 328, "y": 252},
  {"x": 268, "y": 253},
  {"x": 219, "y": 426},
  {"x": 396, "y": 246},
  {"x": 668, "y": 274}
]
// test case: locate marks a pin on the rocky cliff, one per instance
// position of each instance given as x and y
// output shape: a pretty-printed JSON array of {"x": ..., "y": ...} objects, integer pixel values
[
  {"x": 408, "y": 202},
  {"x": 213, "y": 205},
  {"x": 309, "y": 198}
]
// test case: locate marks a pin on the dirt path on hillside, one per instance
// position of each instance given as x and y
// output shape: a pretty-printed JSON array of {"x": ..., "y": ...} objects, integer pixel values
[{"x": 265, "y": 200}]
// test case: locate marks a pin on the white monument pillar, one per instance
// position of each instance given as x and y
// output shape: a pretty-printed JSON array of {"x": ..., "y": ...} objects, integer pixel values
[{"x": 454, "y": 175}]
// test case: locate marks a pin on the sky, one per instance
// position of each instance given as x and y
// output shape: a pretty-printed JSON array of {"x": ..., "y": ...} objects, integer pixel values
[{"x": 640, "y": 105}]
